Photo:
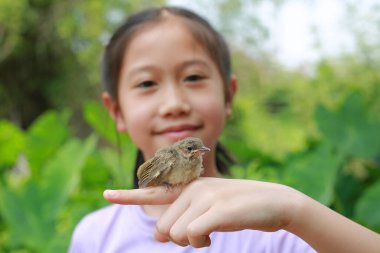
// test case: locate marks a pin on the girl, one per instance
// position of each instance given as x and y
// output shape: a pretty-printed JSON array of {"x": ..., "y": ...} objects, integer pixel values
[{"x": 167, "y": 77}]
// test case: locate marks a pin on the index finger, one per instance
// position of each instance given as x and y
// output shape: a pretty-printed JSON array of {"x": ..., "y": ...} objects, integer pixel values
[{"x": 147, "y": 196}]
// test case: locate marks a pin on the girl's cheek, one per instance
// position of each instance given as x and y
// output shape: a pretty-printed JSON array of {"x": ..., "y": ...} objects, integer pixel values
[{"x": 214, "y": 117}]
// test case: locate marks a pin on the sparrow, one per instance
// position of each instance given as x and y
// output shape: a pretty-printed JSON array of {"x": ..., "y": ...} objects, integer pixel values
[{"x": 178, "y": 164}]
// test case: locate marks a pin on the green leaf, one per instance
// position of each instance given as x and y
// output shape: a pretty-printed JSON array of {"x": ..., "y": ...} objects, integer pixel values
[
  {"x": 348, "y": 189},
  {"x": 120, "y": 165},
  {"x": 349, "y": 129},
  {"x": 61, "y": 175},
  {"x": 20, "y": 209},
  {"x": 98, "y": 118},
  {"x": 12, "y": 142},
  {"x": 367, "y": 209},
  {"x": 44, "y": 137},
  {"x": 314, "y": 173},
  {"x": 95, "y": 174}
]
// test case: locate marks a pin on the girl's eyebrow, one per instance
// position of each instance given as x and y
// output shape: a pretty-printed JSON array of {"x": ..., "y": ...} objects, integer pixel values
[
  {"x": 180, "y": 66},
  {"x": 193, "y": 62},
  {"x": 139, "y": 69}
]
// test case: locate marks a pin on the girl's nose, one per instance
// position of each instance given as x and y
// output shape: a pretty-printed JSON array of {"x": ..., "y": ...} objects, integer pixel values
[{"x": 174, "y": 102}]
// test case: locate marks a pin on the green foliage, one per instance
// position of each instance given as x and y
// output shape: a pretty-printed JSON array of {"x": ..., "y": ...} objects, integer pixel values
[
  {"x": 50, "y": 52},
  {"x": 350, "y": 129},
  {"x": 122, "y": 163},
  {"x": 50, "y": 178},
  {"x": 32, "y": 210},
  {"x": 314, "y": 173},
  {"x": 37, "y": 184},
  {"x": 12, "y": 141},
  {"x": 40, "y": 145},
  {"x": 11, "y": 15},
  {"x": 100, "y": 121},
  {"x": 367, "y": 210}
]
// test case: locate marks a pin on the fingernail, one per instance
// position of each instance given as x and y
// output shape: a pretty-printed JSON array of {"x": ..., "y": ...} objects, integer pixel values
[{"x": 110, "y": 193}]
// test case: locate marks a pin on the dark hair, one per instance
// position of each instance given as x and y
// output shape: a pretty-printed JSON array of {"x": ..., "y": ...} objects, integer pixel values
[{"x": 202, "y": 31}]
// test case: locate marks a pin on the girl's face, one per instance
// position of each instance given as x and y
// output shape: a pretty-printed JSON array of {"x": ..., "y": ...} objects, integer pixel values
[{"x": 169, "y": 89}]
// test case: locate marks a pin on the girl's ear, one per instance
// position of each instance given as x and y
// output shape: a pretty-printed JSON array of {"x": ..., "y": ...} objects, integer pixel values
[
  {"x": 114, "y": 111},
  {"x": 233, "y": 88}
]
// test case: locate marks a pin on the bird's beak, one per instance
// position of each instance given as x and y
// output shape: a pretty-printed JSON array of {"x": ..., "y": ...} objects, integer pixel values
[{"x": 201, "y": 150}]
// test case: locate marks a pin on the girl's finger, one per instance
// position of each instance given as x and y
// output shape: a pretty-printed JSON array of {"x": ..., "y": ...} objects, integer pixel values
[
  {"x": 177, "y": 227},
  {"x": 200, "y": 241},
  {"x": 160, "y": 237},
  {"x": 170, "y": 216},
  {"x": 198, "y": 231},
  {"x": 148, "y": 196}
]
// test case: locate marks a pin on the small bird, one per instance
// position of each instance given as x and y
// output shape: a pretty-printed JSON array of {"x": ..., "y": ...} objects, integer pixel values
[{"x": 178, "y": 164}]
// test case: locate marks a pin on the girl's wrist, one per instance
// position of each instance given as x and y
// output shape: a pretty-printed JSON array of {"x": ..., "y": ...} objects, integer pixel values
[{"x": 298, "y": 212}]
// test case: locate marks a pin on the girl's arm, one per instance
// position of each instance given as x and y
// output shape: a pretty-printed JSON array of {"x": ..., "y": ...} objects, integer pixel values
[
  {"x": 328, "y": 231},
  {"x": 202, "y": 207}
]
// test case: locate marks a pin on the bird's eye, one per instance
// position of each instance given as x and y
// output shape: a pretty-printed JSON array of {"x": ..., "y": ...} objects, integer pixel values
[{"x": 189, "y": 148}]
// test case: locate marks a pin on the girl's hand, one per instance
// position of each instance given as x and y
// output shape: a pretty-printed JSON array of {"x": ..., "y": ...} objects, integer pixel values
[{"x": 214, "y": 204}]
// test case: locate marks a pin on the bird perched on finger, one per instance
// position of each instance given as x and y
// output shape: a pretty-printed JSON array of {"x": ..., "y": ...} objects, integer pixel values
[{"x": 178, "y": 164}]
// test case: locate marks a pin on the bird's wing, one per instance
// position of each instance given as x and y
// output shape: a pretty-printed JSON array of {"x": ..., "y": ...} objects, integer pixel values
[
  {"x": 152, "y": 171},
  {"x": 146, "y": 170}
]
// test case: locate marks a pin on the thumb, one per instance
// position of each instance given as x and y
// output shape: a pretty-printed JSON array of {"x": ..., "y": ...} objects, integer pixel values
[{"x": 159, "y": 195}]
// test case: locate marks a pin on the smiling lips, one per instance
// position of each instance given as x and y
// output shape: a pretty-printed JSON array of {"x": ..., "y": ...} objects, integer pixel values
[{"x": 179, "y": 131}]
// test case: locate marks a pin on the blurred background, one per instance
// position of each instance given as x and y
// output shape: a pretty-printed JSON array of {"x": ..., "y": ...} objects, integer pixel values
[{"x": 307, "y": 113}]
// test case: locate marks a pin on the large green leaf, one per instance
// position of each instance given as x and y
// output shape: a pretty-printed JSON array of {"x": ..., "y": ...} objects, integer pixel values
[
  {"x": 20, "y": 210},
  {"x": 44, "y": 137},
  {"x": 61, "y": 175},
  {"x": 367, "y": 209},
  {"x": 12, "y": 142},
  {"x": 120, "y": 165},
  {"x": 350, "y": 128},
  {"x": 314, "y": 173},
  {"x": 98, "y": 118},
  {"x": 95, "y": 174},
  {"x": 348, "y": 189}
]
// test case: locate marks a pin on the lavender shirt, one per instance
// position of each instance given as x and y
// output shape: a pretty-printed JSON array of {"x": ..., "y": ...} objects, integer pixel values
[{"x": 118, "y": 228}]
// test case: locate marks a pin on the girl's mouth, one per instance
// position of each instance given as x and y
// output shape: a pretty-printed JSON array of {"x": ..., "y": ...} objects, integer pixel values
[{"x": 178, "y": 132}]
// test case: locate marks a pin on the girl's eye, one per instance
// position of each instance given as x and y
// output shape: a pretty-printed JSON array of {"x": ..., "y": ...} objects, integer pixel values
[
  {"x": 194, "y": 78},
  {"x": 146, "y": 84}
]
